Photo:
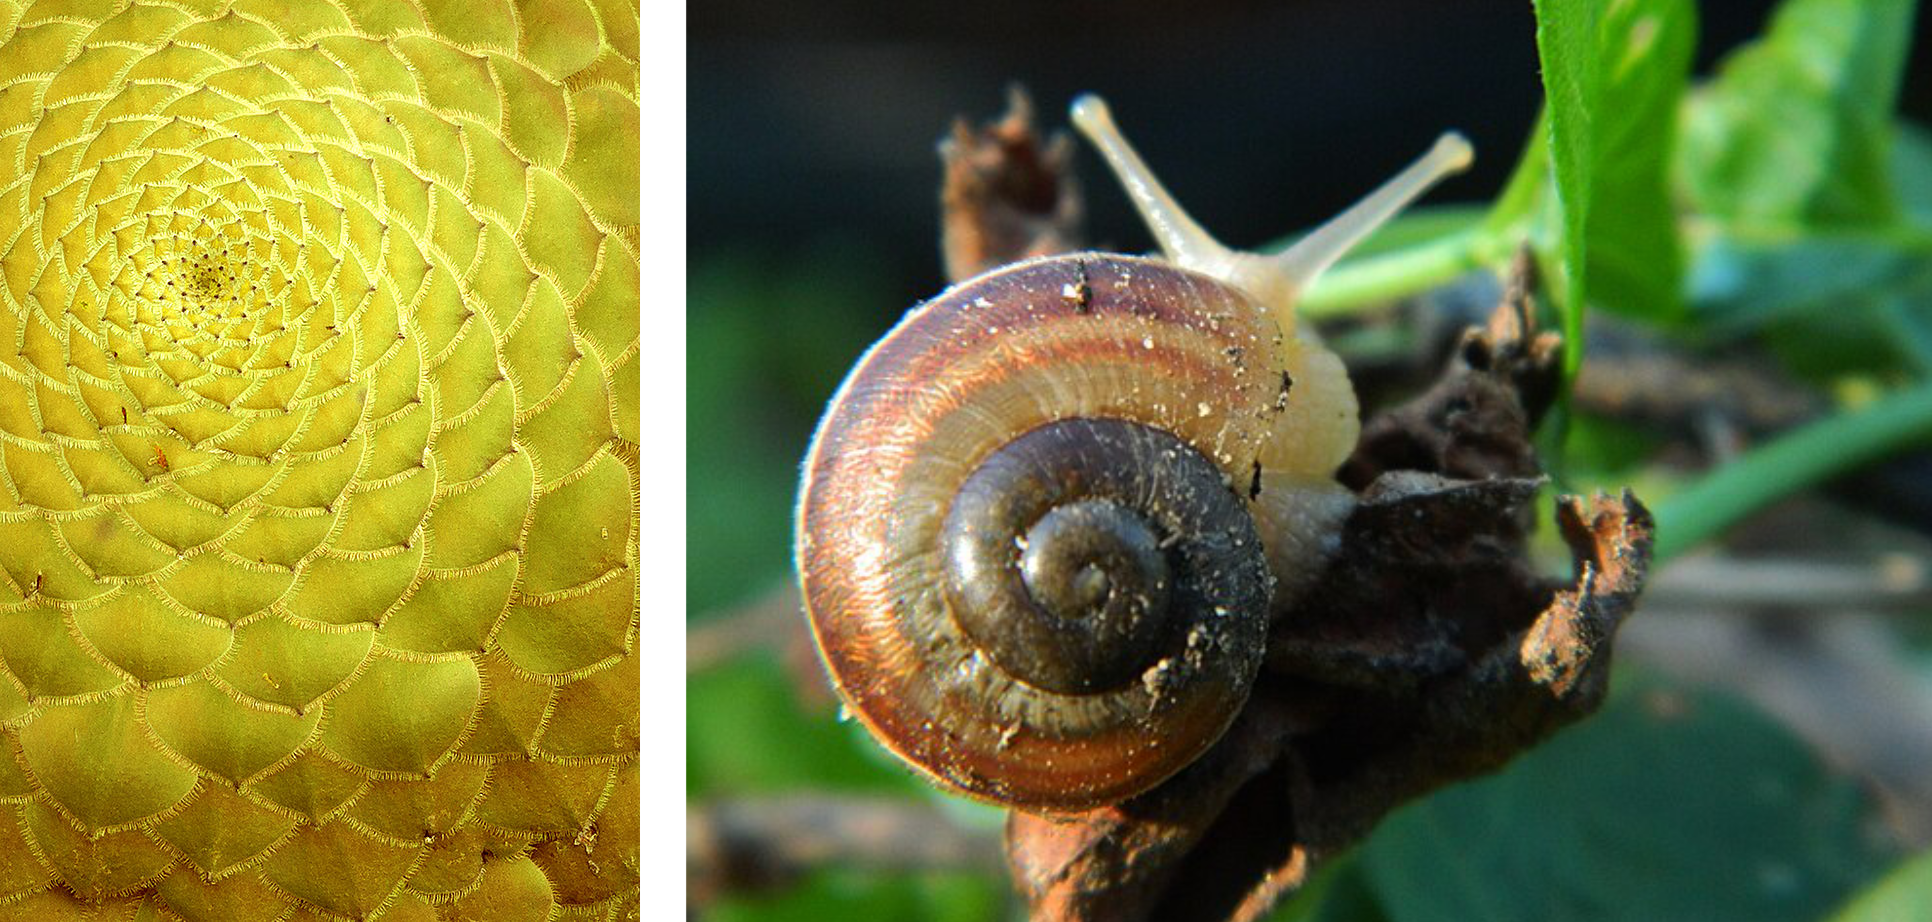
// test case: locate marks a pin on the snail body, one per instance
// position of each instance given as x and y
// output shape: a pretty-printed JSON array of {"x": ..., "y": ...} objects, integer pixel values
[{"x": 1046, "y": 521}]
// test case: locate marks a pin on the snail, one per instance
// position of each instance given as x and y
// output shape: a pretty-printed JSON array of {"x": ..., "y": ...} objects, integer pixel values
[{"x": 1046, "y": 522}]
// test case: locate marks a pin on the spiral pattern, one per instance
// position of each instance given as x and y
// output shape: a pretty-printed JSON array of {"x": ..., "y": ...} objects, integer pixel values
[
  {"x": 1080, "y": 554},
  {"x": 318, "y": 438}
]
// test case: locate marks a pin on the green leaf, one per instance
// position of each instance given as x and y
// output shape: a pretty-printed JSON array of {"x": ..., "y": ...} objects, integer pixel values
[
  {"x": 1739, "y": 285},
  {"x": 1797, "y": 128},
  {"x": 1904, "y": 895},
  {"x": 1636, "y": 259},
  {"x": 1604, "y": 450},
  {"x": 1670, "y": 804},
  {"x": 1830, "y": 302},
  {"x": 1519, "y": 208},
  {"x": 1566, "y": 44},
  {"x": 1912, "y": 172},
  {"x": 739, "y": 716},
  {"x": 1613, "y": 74}
]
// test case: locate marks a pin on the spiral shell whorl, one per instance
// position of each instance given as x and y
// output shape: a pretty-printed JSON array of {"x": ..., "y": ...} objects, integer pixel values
[
  {"x": 1079, "y": 550},
  {"x": 1068, "y": 338}
]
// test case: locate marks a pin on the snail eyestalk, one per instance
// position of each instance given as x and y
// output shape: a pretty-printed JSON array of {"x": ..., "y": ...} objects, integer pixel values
[
  {"x": 1276, "y": 280},
  {"x": 1301, "y": 264},
  {"x": 1184, "y": 241}
]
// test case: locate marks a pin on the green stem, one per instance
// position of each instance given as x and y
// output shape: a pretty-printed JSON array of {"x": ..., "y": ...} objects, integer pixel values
[
  {"x": 1387, "y": 276},
  {"x": 1798, "y": 459}
]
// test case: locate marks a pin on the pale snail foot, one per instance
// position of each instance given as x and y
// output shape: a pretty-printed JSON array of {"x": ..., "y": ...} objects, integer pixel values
[{"x": 950, "y": 641}]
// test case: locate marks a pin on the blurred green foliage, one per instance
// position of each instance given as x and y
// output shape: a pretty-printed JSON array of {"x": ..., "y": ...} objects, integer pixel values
[
  {"x": 768, "y": 338},
  {"x": 1778, "y": 203},
  {"x": 748, "y": 733}
]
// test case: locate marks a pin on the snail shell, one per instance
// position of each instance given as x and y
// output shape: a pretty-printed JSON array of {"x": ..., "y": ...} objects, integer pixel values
[{"x": 1046, "y": 521}]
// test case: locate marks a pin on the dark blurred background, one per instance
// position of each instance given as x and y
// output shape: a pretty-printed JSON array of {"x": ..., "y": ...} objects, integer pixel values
[{"x": 814, "y": 120}]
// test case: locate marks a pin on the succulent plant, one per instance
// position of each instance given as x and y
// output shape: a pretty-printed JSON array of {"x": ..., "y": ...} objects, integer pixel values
[{"x": 318, "y": 459}]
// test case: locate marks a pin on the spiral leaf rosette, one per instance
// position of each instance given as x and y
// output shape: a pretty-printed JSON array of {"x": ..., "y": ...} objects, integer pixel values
[{"x": 318, "y": 421}]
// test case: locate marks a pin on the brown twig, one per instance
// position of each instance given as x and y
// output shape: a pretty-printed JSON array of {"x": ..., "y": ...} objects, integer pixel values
[
  {"x": 1429, "y": 652},
  {"x": 1006, "y": 196},
  {"x": 1641, "y": 378},
  {"x": 755, "y": 844},
  {"x": 772, "y": 621},
  {"x": 1717, "y": 584},
  {"x": 1716, "y": 403}
]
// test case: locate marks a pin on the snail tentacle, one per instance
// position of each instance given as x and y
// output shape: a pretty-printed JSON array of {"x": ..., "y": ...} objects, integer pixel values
[{"x": 1046, "y": 521}]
